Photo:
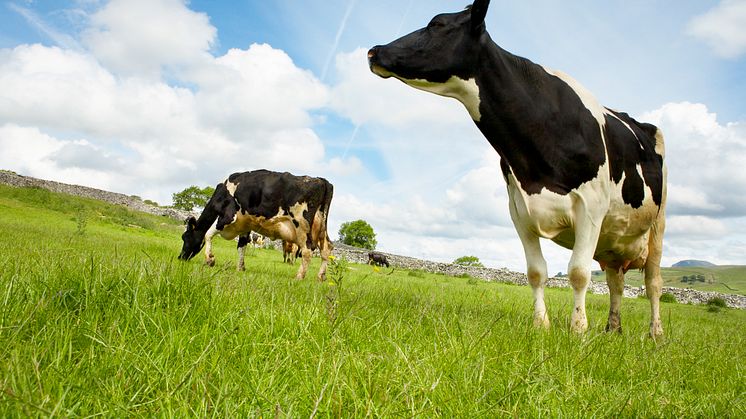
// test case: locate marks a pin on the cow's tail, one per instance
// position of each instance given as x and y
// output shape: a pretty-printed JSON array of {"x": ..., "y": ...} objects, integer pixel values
[{"x": 652, "y": 269}]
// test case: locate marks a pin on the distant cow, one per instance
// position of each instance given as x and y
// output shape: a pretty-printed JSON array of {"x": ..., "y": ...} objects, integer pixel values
[
  {"x": 587, "y": 177},
  {"x": 379, "y": 259},
  {"x": 257, "y": 240},
  {"x": 277, "y": 205},
  {"x": 290, "y": 251}
]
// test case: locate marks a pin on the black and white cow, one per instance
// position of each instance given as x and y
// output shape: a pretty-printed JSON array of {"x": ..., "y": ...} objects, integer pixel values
[
  {"x": 278, "y": 205},
  {"x": 587, "y": 177}
]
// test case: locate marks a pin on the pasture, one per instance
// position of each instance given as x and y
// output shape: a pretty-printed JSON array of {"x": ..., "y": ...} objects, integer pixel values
[{"x": 100, "y": 318}]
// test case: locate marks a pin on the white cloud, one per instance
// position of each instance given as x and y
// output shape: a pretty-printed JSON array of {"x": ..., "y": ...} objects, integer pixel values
[
  {"x": 364, "y": 97},
  {"x": 705, "y": 160},
  {"x": 722, "y": 28},
  {"x": 140, "y": 37}
]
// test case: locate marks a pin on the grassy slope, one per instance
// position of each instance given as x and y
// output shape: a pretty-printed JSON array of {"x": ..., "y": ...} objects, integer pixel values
[
  {"x": 108, "y": 322},
  {"x": 725, "y": 279}
]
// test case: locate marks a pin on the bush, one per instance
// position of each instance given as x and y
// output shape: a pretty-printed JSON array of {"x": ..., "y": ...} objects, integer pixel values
[
  {"x": 667, "y": 297},
  {"x": 716, "y": 304},
  {"x": 468, "y": 261}
]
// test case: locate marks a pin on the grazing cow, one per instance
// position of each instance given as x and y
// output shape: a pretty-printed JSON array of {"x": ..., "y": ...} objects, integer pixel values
[
  {"x": 257, "y": 240},
  {"x": 290, "y": 251},
  {"x": 277, "y": 205},
  {"x": 378, "y": 259},
  {"x": 587, "y": 177}
]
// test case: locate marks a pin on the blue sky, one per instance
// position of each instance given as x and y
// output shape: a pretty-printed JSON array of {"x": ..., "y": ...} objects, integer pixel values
[{"x": 147, "y": 97}]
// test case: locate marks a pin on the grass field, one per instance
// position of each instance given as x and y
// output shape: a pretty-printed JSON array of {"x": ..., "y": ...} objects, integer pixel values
[{"x": 99, "y": 318}]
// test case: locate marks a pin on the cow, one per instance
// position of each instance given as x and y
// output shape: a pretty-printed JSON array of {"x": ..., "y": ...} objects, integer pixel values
[
  {"x": 278, "y": 205},
  {"x": 290, "y": 251},
  {"x": 256, "y": 240},
  {"x": 379, "y": 259},
  {"x": 589, "y": 178}
]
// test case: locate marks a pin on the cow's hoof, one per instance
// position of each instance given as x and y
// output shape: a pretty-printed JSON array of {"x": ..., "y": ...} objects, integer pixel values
[
  {"x": 541, "y": 322},
  {"x": 210, "y": 262},
  {"x": 610, "y": 328}
]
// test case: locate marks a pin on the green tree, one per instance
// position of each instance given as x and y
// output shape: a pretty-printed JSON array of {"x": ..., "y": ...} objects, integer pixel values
[
  {"x": 358, "y": 233},
  {"x": 192, "y": 197},
  {"x": 468, "y": 261}
]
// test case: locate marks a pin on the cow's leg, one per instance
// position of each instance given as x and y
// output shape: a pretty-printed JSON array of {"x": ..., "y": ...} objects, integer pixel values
[
  {"x": 209, "y": 257},
  {"x": 305, "y": 261},
  {"x": 242, "y": 242},
  {"x": 615, "y": 281},
  {"x": 653, "y": 280},
  {"x": 325, "y": 249},
  {"x": 536, "y": 270},
  {"x": 587, "y": 229}
]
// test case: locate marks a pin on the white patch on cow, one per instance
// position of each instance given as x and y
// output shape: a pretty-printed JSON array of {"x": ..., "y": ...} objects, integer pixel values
[
  {"x": 231, "y": 187},
  {"x": 465, "y": 91},
  {"x": 589, "y": 101},
  {"x": 624, "y": 230},
  {"x": 298, "y": 209}
]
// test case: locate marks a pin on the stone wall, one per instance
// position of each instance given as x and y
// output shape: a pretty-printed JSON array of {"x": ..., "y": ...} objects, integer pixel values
[
  {"x": 683, "y": 295},
  {"x": 357, "y": 255},
  {"x": 132, "y": 202}
]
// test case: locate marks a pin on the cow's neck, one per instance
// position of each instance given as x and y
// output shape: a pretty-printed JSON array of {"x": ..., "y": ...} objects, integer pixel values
[
  {"x": 518, "y": 98},
  {"x": 207, "y": 218}
]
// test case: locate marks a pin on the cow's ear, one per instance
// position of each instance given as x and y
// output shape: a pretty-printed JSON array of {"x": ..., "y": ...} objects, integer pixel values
[
  {"x": 478, "y": 12},
  {"x": 191, "y": 223}
]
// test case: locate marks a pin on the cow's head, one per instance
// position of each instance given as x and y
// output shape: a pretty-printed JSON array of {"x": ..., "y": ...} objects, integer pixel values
[
  {"x": 430, "y": 58},
  {"x": 193, "y": 239}
]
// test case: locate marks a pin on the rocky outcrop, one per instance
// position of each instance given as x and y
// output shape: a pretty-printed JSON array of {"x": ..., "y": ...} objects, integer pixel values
[{"x": 357, "y": 255}]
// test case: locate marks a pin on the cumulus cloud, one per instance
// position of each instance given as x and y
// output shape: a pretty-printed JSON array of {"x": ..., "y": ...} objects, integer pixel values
[
  {"x": 722, "y": 28},
  {"x": 243, "y": 110},
  {"x": 141, "y": 37}
]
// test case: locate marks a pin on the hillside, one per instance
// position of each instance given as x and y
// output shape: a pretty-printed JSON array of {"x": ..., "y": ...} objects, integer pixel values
[{"x": 692, "y": 264}]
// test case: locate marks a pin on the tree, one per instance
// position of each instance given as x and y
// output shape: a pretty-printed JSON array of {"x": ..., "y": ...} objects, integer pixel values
[
  {"x": 192, "y": 197},
  {"x": 358, "y": 233},
  {"x": 468, "y": 261}
]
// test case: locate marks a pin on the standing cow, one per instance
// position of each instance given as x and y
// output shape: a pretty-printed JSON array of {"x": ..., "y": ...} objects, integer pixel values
[
  {"x": 278, "y": 205},
  {"x": 587, "y": 177}
]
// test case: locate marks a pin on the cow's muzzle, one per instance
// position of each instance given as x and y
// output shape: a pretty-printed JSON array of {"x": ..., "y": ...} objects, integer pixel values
[{"x": 374, "y": 62}]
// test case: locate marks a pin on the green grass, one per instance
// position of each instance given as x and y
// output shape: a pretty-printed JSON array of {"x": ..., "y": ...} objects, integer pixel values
[{"x": 103, "y": 320}]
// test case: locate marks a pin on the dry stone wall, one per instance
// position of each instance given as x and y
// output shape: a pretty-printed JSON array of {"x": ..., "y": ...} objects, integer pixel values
[
  {"x": 683, "y": 295},
  {"x": 357, "y": 255},
  {"x": 132, "y": 202}
]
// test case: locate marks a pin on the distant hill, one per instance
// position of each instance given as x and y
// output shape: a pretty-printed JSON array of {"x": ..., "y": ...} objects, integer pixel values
[{"x": 692, "y": 264}]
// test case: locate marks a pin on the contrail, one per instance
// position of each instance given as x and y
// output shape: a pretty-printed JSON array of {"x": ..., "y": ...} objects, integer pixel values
[
  {"x": 352, "y": 137},
  {"x": 341, "y": 30},
  {"x": 404, "y": 18},
  {"x": 60, "y": 39}
]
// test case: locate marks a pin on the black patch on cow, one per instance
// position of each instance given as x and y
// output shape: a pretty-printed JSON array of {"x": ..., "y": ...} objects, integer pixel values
[
  {"x": 243, "y": 240},
  {"x": 542, "y": 131},
  {"x": 627, "y": 150},
  {"x": 296, "y": 223}
]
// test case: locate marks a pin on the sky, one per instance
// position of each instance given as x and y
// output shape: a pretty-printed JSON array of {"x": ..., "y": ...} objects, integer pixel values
[{"x": 148, "y": 97}]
